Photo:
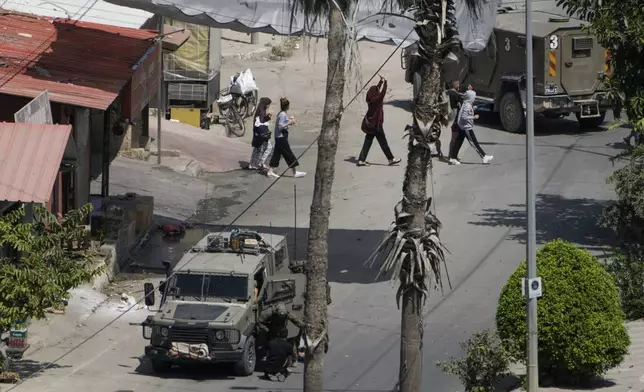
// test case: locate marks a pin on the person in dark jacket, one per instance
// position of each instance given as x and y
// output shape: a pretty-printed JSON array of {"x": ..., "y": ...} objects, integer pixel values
[
  {"x": 372, "y": 124},
  {"x": 274, "y": 319},
  {"x": 277, "y": 356},
  {"x": 261, "y": 135}
]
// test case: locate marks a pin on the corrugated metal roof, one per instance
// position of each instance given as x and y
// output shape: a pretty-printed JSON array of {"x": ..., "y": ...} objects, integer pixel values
[
  {"x": 95, "y": 12},
  {"x": 30, "y": 156},
  {"x": 79, "y": 63}
]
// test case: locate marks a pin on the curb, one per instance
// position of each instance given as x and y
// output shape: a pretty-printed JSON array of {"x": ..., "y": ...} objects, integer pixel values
[{"x": 245, "y": 56}]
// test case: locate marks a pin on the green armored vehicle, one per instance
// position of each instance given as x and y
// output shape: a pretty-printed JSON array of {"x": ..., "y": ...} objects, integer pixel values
[
  {"x": 212, "y": 298},
  {"x": 569, "y": 67}
]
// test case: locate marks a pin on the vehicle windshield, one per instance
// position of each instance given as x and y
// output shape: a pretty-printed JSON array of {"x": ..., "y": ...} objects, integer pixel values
[{"x": 207, "y": 285}]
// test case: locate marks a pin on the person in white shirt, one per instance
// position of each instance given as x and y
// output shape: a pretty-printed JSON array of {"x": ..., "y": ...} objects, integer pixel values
[{"x": 282, "y": 146}]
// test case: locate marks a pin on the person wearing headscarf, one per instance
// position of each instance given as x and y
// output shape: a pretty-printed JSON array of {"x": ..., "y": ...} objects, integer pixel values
[
  {"x": 372, "y": 124},
  {"x": 261, "y": 135},
  {"x": 465, "y": 121}
]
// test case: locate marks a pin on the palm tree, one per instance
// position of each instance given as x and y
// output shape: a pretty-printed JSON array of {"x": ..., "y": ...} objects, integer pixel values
[
  {"x": 412, "y": 249},
  {"x": 315, "y": 310}
]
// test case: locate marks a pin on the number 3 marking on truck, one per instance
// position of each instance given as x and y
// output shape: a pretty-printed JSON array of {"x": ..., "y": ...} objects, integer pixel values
[
  {"x": 554, "y": 42},
  {"x": 507, "y": 44}
]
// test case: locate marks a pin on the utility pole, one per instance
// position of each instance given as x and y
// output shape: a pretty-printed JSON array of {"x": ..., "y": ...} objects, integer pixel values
[
  {"x": 531, "y": 256},
  {"x": 160, "y": 97}
]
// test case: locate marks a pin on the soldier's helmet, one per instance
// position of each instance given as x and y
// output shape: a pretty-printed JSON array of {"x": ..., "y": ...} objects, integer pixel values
[{"x": 280, "y": 310}]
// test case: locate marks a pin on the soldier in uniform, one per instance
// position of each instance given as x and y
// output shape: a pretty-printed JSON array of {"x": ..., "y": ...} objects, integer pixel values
[{"x": 274, "y": 320}]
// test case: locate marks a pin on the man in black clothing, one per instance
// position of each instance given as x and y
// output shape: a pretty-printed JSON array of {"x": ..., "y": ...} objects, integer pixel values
[
  {"x": 274, "y": 320},
  {"x": 277, "y": 357}
]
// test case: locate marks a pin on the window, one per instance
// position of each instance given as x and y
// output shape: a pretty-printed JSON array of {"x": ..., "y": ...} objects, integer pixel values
[
  {"x": 280, "y": 255},
  {"x": 582, "y": 47},
  {"x": 280, "y": 289},
  {"x": 217, "y": 286}
]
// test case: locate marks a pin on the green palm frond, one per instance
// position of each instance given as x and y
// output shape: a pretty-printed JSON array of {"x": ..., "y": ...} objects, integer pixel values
[{"x": 415, "y": 258}]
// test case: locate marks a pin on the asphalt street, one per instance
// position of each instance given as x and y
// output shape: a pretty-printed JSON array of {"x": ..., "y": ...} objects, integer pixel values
[{"x": 481, "y": 207}]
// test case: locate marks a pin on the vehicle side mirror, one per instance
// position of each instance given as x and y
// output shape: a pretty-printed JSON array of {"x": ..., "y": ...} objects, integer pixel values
[
  {"x": 162, "y": 287},
  {"x": 148, "y": 289}
]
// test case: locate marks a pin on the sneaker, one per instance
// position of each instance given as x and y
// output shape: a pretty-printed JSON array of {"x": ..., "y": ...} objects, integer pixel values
[
  {"x": 252, "y": 167},
  {"x": 272, "y": 174},
  {"x": 454, "y": 162},
  {"x": 299, "y": 174},
  {"x": 487, "y": 159}
]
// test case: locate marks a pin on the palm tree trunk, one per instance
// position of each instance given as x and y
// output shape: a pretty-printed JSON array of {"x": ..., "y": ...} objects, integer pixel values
[
  {"x": 315, "y": 309},
  {"x": 414, "y": 203}
]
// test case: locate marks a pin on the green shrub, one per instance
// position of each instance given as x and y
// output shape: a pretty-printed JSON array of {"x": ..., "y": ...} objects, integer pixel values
[
  {"x": 580, "y": 321},
  {"x": 485, "y": 363},
  {"x": 627, "y": 268}
]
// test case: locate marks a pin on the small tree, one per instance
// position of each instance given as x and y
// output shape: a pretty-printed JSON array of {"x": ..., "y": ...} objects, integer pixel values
[
  {"x": 581, "y": 323},
  {"x": 627, "y": 268},
  {"x": 484, "y": 365},
  {"x": 52, "y": 262}
]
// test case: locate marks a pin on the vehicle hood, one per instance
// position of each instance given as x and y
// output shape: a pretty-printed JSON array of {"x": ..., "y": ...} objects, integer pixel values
[{"x": 200, "y": 311}]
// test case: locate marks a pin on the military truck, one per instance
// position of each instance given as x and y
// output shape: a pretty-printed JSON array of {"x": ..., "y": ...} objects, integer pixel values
[
  {"x": 569, "y": 67},
  {"x": 211, "y": 300}
]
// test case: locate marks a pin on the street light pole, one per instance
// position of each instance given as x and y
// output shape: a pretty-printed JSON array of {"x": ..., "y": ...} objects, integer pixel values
[
  {"x": 531, "y": 256},
  {"x": 160, "y": 97}
]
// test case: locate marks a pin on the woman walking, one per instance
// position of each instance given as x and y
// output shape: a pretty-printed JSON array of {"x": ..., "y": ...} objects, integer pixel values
[
  {"x": 466, "y": 119},
  {"x": 282, "y": 146},
  {"x": 372, "y": 124},
  {"x": 261, "y": 135}
]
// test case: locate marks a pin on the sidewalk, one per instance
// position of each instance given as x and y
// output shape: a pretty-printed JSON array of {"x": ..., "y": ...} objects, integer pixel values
[
  {"x": 196, "y": 149},
  {"x": 627, "y": 378}
]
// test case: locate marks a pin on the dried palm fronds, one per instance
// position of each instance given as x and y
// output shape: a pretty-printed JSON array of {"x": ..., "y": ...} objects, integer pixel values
[{"x": 413, "y": 256}]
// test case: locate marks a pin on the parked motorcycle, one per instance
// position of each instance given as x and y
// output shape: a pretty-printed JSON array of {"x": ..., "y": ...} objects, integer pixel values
[
  {"x": 244, "y": 92},
  {"x": 230, "y": 117}
]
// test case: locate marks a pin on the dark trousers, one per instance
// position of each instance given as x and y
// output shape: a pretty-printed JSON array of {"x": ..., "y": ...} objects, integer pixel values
[
  {"x": 368, "y": 141},
  {"x": 617, "y": 109},
  {"x": 458, "y": 143},
  {"x": 283, "y": 149}
]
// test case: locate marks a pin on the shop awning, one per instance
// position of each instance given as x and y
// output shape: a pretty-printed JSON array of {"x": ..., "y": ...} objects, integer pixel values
[{"x": 30, "y": 158}]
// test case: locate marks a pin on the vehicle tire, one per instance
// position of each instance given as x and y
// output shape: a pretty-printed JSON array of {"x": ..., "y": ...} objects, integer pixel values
[
  {"x": 241, "y": 106},
  {"x": 511, "y": 112},
  {"x": 415, "y": 80},
  {"x": 251, "y": 105},
  {"x": 591, "y": 123},
  {"x": 234, "y": 123},
  {"x": 246, "y": 366},
  {"x": 160, "y": 366}
]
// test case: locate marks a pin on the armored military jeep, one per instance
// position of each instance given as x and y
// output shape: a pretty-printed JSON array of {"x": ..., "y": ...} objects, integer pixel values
[
  {"x": 569, "y": 67},
  {"x": 211, "y": 300}
]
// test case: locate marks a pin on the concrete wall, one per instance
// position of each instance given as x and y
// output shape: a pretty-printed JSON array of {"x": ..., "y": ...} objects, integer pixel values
[
  {"x": 82, "y": 133},
  {"x": 215, "y": 49}
]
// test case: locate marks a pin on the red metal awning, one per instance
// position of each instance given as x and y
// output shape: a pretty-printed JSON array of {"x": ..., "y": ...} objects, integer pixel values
[
  {"x": 30, "y": 156},
  {"x": 79, "y": 63}
]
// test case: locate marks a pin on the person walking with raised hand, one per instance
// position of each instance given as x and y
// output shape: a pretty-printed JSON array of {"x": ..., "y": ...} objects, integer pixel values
[
  {"x": 372, "y": 124},
  {"x": 282, "y": 146},
  {"x": 261, "y": 142}
]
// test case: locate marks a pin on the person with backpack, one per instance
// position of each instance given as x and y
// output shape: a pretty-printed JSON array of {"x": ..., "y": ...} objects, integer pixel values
[
  {"x": 261, "y": 142},
  {"x": 372, "y": 124}
]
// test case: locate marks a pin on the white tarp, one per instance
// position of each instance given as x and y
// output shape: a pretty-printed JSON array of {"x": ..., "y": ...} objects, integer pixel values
[{"x": 275, "y": 17}]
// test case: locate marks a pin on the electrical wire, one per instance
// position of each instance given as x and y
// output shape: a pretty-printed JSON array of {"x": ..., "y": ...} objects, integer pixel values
[{"x": 110, "y": 323}]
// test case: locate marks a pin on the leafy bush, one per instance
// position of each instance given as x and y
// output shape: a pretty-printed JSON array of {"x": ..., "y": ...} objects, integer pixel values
[
  {"x": 53, "y": 262},
  {"x": 627, "y": 268},
  {"x": 626, "y": 216},
  {"x": 485, "y": 363},
  {"x": 580, "y": 321}
]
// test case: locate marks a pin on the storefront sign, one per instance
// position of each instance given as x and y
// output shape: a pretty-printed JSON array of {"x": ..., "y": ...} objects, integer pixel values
[{"x": 145, "y": 82}]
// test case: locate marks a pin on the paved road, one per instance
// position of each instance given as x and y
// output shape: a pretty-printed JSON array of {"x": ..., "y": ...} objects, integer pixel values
[{"x": 481, "y": 208}]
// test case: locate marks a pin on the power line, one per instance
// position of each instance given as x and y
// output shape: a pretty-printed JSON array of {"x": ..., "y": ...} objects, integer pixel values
[{"x": 50, "y": 364}]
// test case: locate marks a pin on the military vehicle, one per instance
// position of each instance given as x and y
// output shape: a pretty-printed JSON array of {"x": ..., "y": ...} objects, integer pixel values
[
  {"x": 569, "y": 67},
  {"x": 211, "y": 300}
]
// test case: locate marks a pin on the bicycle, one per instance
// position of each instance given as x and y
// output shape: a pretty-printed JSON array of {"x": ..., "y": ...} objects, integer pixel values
[{"x": 232, "y": 120}]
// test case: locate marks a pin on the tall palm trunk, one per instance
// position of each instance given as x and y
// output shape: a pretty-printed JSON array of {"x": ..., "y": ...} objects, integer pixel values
[
  {"x": 315, "y": 309},
  {"x": 415, "y": 204}
]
